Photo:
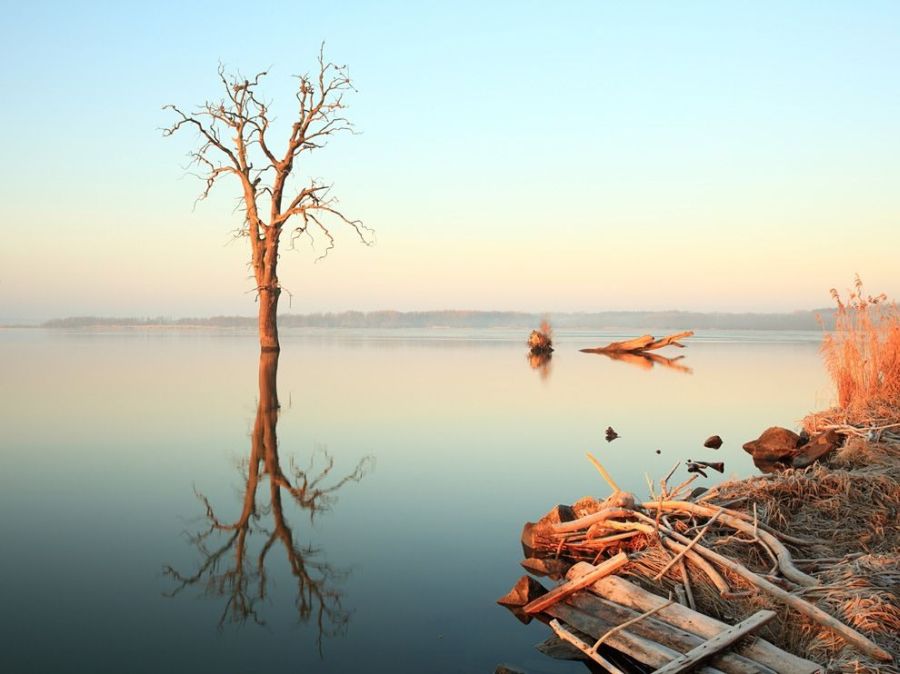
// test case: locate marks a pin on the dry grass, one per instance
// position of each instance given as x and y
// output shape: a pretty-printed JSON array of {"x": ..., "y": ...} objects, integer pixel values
[
  {"x": 851, "y": 507},
  {"x": 862, "y": 355}
]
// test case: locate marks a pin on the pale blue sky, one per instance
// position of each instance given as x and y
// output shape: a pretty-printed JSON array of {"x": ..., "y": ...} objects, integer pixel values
[{"x": 576, "y": 156}]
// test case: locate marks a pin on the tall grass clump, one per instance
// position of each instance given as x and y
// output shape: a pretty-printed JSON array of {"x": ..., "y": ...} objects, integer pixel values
[{"x": 862, "y": 355}]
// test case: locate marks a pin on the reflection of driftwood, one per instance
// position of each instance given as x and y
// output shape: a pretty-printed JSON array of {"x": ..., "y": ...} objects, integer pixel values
[
  {"x": 540, "y": 362},
  {"x": 645, "y": 361},
  {"x": 642, "y": 344}
]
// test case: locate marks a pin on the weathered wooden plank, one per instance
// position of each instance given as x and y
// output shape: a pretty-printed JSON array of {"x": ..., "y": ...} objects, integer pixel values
[
  {"x": 643, "y": 650},
  {"x": 611, "y": 565},
  {"x": 688, "y": 661},
  {"x": 628, "y": 594},
  {"x": 653, "y": 629}
]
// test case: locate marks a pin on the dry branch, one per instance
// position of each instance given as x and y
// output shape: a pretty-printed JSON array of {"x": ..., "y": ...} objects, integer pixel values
[
  {"x": 642, "y": 344},
  {"x": 730, "y": 518}
]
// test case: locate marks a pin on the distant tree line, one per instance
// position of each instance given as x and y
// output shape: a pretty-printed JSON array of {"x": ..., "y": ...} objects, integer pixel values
[{"x": 642, "y": 320}]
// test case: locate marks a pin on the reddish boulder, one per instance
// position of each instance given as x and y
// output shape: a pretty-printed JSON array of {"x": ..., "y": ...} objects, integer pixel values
[{"x": 775, "y": 444}]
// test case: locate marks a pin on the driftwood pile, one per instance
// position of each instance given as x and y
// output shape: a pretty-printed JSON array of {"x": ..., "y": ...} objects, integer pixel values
[
  {"x": 605, "y": 617},
  {"x": 715, "y": 562}
]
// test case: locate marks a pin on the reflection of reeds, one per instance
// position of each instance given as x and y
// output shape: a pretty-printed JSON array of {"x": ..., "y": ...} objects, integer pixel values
[{"x": 862, "y": 355}]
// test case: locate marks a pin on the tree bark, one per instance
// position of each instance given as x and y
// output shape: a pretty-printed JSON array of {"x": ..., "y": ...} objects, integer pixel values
[
  {"x": 268, "y": 319},
  {"x": 265, "y": 260}
]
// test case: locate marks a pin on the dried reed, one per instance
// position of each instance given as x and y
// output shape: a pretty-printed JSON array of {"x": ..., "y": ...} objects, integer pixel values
[{"x": 862, "y": 355}]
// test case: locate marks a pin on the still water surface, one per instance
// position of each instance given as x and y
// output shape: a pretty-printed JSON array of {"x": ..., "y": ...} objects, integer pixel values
[{"x": 111, "y": 442}]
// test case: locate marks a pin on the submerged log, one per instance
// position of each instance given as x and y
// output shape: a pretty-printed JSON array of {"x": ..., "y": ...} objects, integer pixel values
[{"x": 642, "y": 344}]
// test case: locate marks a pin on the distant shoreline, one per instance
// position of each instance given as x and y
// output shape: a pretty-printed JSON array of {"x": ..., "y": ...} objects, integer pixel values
[{"x": 660, "y": 320}]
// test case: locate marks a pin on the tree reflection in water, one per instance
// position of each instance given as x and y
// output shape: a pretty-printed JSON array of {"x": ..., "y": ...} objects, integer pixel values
[{"x": 227, "y": 569}]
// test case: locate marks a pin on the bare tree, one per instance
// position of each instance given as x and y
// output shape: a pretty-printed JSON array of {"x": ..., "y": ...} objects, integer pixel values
[{"x": 233, "y": 140}]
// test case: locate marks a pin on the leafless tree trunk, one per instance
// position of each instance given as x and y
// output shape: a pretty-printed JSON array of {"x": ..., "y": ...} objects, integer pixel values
[{"x": 233, "y": 141}]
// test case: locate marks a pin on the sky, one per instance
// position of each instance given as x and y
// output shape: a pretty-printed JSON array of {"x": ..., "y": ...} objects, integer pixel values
[{"x": 579, "y": 156}]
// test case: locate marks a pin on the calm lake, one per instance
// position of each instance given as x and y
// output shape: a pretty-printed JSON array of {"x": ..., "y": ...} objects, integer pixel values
[{"x": 111, "y": 441}]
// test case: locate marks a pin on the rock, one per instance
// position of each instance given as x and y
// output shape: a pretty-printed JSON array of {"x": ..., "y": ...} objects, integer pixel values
[
  {"x": 713, "y": 442},
  {"x": 775, "y": 444},
  {"x": 504, "y": 669},
  {"x": 818, "y": 446}
]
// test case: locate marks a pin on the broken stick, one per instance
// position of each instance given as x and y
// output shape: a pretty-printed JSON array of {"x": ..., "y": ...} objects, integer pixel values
[{"x": 611, "y": 565}]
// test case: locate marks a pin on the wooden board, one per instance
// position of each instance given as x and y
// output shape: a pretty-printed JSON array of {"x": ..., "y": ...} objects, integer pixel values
[{"x": 724, "y": 639}]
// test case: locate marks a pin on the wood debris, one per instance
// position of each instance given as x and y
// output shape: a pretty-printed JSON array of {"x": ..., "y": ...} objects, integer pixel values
[{"x": 711, "y": 555}]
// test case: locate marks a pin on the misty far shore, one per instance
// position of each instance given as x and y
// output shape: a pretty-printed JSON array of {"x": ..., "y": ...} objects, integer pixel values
[{"x": 662, "y": 320}]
